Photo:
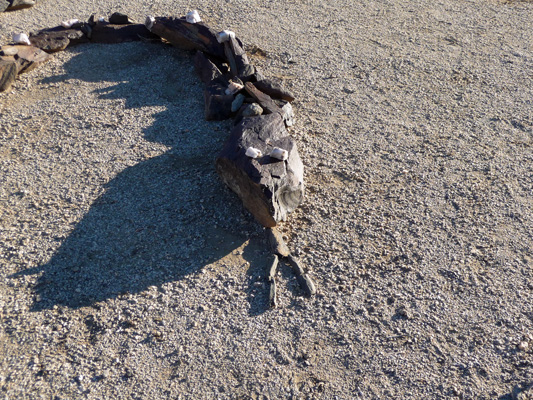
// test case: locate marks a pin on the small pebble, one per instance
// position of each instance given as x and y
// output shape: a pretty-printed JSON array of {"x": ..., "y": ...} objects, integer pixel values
[{"x": 523, "y": 346}]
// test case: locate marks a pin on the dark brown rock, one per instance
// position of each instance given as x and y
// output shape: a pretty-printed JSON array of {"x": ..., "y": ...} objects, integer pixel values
[
  {"x": 57, "y": 39},
  {"x": 110, "y": 33},
  {"x": 269, "y": 188},
  {"x": 217, "y": 102},
  {"x": 8, "y": 74},
  {"x": 19, "y": 4},
  {"x": 264, "y": 100},
  {"x": 27, "y": 58},
  {"x": 188, "y": 36},
  {"x": 119, "y": 19},
  {"x": 274, "y": 89},
  {"x": 205, "y": 68},
  {"x": 236, "y": 56}
]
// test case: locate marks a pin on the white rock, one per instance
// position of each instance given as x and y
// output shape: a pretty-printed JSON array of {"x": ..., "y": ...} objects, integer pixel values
[
  {"x": 193, "y": 17},
  {"x": 149, "y": 22},
  {"x": 233, "y": 88},
  {"x": 253, "y": 152},
  {"x": 225, "y": 36},
  {"x": 68, "y": 24},
  {"x": 524, "y": 346},
  {"x": 288, "y": 114},
  {"x": 21, "y": 38},
  {"x": 280, "y": 154}
]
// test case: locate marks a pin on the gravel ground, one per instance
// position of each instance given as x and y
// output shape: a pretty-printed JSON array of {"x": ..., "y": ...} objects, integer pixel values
[{"x": 130, "y": 272}]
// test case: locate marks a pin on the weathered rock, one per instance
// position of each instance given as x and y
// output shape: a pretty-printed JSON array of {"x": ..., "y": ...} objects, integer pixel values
[
  {"x": 119, "y": 19},
  {"x": 18, "y": 4},
  {"x": 109, "y": 33},
  {"x": 8, "y": 74},
  {"x": 4, "y": 4},
  {"x": 252, "y": 110},
  {"x": 273, "y": 295},
  {"x": 296, "y": 265},
  {"x": 237, "y": 60},
  {"x": 237, "y": 102},
  {"x": 306, "y": 284},
  {"x": 264, "y": 100},
  {"x": 187, "y": 36},
  {"x": 26, "y": 58},
  {"x": 205, "y": 68},
  {"x": 273, "y": 268},
  {"x": 57, "y": 39},
  {"x": 269, "y": 188},
  {"x": 277, "y": 244},
  {"x": 217, "y": 102},
  {"x": 8, "y": 50},
  {"x": 288, "y": 114},
  {"x": 274, "y": 89}
]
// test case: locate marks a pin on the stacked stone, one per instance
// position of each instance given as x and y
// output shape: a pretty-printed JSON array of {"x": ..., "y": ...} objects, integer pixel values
[{"x": 259, "y": 162}]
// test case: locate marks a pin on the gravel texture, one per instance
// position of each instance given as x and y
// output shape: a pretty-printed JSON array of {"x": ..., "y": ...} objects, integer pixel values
[{"x": 128, "y": 270}]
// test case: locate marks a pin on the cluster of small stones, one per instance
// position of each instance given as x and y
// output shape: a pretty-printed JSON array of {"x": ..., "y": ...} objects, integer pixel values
[{"x": 260, "y": 161}]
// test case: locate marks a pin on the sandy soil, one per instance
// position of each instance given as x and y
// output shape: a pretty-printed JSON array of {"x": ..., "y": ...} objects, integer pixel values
[{"x": 130, "y": 272}]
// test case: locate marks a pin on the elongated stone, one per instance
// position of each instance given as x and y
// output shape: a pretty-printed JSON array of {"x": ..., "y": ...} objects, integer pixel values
[
  {"x": 306, "y": 284},
  {"x": 274, "y": 89},
  {"x": 296, "y": 265},
  {"x": 270, "y": 189},
  {"x": 8, "y": 74},
  {"x": 277, "y": 244},
  {"x": 273, "y": 295},
  {"x": 273, "y": 268},
  {"x": 27, "y": 58}
]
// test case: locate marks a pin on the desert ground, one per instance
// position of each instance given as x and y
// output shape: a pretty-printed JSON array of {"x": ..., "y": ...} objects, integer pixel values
[{"x": 129, "y": 271}]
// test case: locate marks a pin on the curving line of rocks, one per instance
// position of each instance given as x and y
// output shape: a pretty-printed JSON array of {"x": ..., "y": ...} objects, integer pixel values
[{"x": 259, "y": 162}]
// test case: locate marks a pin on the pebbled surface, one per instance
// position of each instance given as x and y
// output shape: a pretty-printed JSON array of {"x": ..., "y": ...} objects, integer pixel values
[{"x": 128, "y": 270}]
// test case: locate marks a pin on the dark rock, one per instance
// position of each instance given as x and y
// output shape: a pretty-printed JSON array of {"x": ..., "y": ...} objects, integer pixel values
[
  {"x": 264, "y": 100},
  {"x": 119, "y": 19},
  {"x": 269, "y": 188},
  {"x": 296, "y": 265},
  {"x": 217, "y": 102},
  {"x": 277, "y": 244},
  {"x": 19, "y": 4},
  {"x": 273, "y": 268},
  {"x": 8, "y": 74},
  {"x": 109, "y": 33},
  {"x": 237, "y": 102},
  {"x": 205, "y": 68},
  {"x": 274, "y": 89},
  {"x": 188, "y": 36},
  {"x": 27, "y": 58},
  {"x": 57, "y": 39},
  {"x": 273, "y": 295}
]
